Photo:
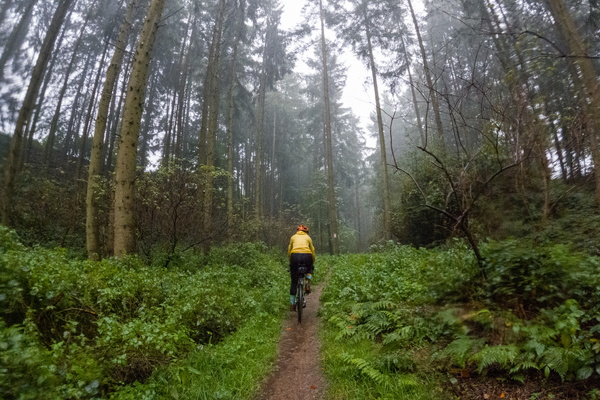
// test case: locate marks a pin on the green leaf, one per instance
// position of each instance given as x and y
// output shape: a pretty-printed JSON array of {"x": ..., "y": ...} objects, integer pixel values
[
  {"x": 193, "y": 370},
  {"x": 584, "y": 372}
]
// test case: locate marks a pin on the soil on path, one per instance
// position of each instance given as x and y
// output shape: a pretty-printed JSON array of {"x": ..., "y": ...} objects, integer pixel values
[{"x": 297, "y": 374}]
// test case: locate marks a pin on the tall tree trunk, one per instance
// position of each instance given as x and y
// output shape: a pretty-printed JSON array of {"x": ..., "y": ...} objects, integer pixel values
[
  {"x": 413, "y": 92},
  {"x": 89, "y": 116},
  {"x": 260, "y": 122},
  {"x": 124, "y": 241},
  {"x": 95, "y": 167},
  {"x": 49, "y": 151},
  {"x": 387, "y": 213},
  {"x": 146, "y": 130},
  {"x": 273, "y": 166},
  {"x": 331, "y": 197},
  {"x": 211, "y": 97},
  {"x": 182, "y": 85},
  {"x": 11, "y": 169},
  {"x": 30, "y": 130},
  {"x": 582, "y": 58},
  {"x": 230, "y": 129},
  {"x": 75, "y": 113}
]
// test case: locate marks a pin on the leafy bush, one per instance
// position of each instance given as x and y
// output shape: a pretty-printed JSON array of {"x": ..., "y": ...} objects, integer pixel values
[
  {"x": 401, "y": 314},
  {"x": 381, "y": 312},
  {"x": 528, "y": 277},
  {"x": 86, "y": 328}
]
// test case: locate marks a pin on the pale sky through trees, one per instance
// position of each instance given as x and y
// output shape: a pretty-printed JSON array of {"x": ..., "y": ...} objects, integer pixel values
[{"x": 358, "y": 93}]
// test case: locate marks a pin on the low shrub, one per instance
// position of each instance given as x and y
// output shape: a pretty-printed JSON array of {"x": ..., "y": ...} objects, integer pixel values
[
  {"x": 87, "y": 328},
  {"x": 402, "y": 314},
  {"x": 527, "y": 278}
]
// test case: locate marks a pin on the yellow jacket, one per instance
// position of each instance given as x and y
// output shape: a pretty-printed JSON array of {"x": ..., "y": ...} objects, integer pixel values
[{"x": 301, "y": 243}]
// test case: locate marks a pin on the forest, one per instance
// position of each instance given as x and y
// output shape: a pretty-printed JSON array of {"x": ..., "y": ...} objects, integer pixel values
[{"x": 157, "y": 155}]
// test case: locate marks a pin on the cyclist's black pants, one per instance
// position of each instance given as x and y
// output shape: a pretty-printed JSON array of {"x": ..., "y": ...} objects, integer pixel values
[{"x": 296, "y": 260}]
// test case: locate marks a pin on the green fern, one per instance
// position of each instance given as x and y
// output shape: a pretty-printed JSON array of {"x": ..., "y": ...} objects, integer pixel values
[
  {"x": 399, "y": 337},
  {"x": 378, "y": 323},
  {"x": 523, "y": 366},
  {"x": 562, "y": 361},
  {"x": 345, "y": 330},
  {"x": 460, "y": 350},
  {"x": 407, "y": 382},
  {"x": 383, "y": 305},
  {"x": 366, "y": 368},
  {"x": 503, "y": 355}
]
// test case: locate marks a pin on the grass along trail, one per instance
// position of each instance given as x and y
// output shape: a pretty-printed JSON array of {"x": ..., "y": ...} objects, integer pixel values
[{"x": 298, "y": 374}]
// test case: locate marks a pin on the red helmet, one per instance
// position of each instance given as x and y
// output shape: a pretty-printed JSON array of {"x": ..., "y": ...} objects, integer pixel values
[{"x": 303, "y": 228}]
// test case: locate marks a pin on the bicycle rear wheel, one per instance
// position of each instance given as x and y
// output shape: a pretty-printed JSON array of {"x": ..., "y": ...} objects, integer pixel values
[{"x": 300, "y": 299}]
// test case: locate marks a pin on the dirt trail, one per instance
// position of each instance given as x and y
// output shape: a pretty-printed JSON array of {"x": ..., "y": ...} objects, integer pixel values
[{"x": 297, "y": 374}]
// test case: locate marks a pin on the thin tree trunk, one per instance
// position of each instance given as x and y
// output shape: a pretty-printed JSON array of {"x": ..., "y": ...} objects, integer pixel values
[
  {"x": 170, "y": 139},
  {"x": 331, "y": 196},
  {"x": 231, "y": 134},
  {"x": 124, "y": 241},
  {"x": 413, "y": 92},
  {"x": 387, "y": 213},
  {"x": 55, "y": 119},
  {"x": 31, "y": 127},
  {"x": 75, "y": 113},
  {"x": 182, "y": 81},
  {"x": 273, "y": 166},
  {"x": 89, "y": 117},
  {"x": 433, "y": 96},
  {"x": 32, "y": 123},
  {"x": 12, "y": 163},
  {"x": 210, "y": 117},
  {"x": 143, "y": 148}
]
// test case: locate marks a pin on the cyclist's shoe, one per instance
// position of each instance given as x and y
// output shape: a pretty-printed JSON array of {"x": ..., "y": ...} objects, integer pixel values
[
  {"x": 307, "y": 288},
  {"x": 292, "y": 307},
  {"x": 303, "y": 303}
]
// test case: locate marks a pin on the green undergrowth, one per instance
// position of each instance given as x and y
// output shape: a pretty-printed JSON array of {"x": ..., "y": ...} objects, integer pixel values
[
  {"x": 233, "y": 369},
  {"x": 406, "y": 323},
  {"x": 119, "y": 329}
]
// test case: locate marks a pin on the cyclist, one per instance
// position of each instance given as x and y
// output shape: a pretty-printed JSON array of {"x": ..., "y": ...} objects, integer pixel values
[{"x": 300, "y": 251}]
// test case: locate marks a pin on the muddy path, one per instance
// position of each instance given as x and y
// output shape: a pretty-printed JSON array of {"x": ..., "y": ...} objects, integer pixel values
[{"x": 297, "y": 374}]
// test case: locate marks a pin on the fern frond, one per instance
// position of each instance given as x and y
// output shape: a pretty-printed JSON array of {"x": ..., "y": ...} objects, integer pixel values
[
  {"x": 524, "y": 366},
  {"x": 407, "y": 382},
  {"x": 345, "y": 330},
  {"x": 503, "y": 355},
  {"x": 383, "y": 305},
  {"x": 460, "y": 349},
  {"x": 366, "y": 369},
  {"x": 378, "y": 323},
  {"x": 561, "y": 360}
]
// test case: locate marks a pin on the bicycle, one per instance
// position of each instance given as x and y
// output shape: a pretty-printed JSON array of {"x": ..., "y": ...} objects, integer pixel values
[{"x": 300, "y": 291}]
